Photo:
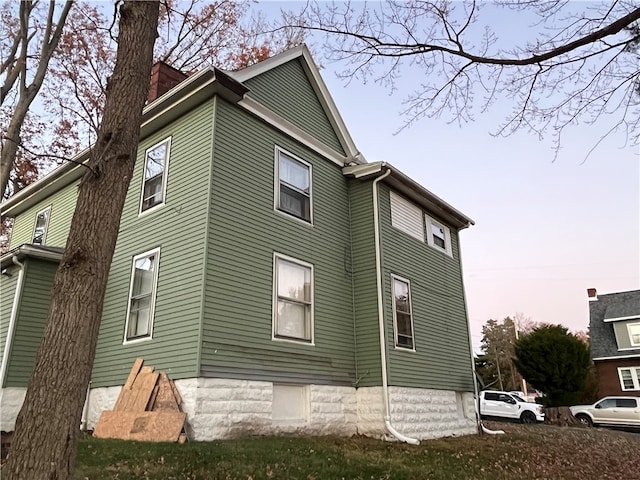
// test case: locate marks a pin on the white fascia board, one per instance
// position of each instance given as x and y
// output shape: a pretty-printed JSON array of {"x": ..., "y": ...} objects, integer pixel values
[
  {"x": 412, "y": 189},
  {"x": 291, "y": 130},
  {"x": 618, "y": 319},
  {"x": 359, "y": 171},
  {"x": 327, "y": 102},
  {"x": 27, "y": 250},
  {"x": 618, "y": 357},
  {"x": 318, "y": 86},
  {"x": 266, "y": 65}
]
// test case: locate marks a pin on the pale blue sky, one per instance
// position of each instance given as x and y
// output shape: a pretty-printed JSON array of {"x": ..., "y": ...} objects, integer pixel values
[{"x": 545, "y": 231}]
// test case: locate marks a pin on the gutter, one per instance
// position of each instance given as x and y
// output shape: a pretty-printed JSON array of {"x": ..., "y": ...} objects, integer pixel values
[
  {"x": 383, "y": 350},
  {"x": 12, "y": 321}
]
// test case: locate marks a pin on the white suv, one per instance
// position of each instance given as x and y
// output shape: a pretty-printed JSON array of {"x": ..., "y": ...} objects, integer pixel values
[{"x": 505, "y": 405}]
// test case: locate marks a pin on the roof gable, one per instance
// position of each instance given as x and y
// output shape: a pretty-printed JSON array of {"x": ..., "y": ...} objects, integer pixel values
[
  {"x": 603, "y": 313},
  {"x": 290, "y": 85}
]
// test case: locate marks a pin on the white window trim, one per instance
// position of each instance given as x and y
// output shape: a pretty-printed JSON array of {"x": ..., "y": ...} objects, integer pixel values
[
  {"x": 631, "y": 342},
  {"x": 635, "y": 376},
  {"x": 274, "y": 310},
  {"x": 429, "y": 221},
  {"x": 152, "y": 307},
  {"x": 276, "y": 185},
  {"x": 395, "y": 321},
  {"x": 46, "y": 227},
  {"x": 165, "y": 175}
]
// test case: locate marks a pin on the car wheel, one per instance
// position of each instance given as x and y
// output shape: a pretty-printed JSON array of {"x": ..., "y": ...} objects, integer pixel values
[
  {"x": 584, "y": 420},
  {"x": 528, "y": 417}
]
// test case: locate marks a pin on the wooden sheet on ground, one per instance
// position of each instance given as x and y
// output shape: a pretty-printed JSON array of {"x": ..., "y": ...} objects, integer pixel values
[
  {"x": 126, "y": 389},
  {"x": 141, "y": 426}
]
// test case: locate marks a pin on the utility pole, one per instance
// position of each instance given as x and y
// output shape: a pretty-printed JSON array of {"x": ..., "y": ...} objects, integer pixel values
[
  {"x": 524, "y": 382},
  {"x": 495, "y": 353}
]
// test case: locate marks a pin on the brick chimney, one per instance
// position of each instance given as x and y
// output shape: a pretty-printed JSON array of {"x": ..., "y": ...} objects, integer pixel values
[
  {"x": 163, "y": 78},
  {"x": 593, "y": 294}
]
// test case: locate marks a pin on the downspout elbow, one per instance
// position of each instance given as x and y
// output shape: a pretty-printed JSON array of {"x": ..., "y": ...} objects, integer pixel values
[{"x": 398, "y": 435}]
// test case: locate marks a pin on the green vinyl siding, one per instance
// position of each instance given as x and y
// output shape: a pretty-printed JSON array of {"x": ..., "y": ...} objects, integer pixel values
[
  {"x": 287, "y": 91},
  {"x": 178, "y": 229},
  {"x": 244, "y": 233},
  {"x": 8, "y": 285},
  {"x": 63, "y": 203},
  {"x": 364, "y": 284},
  {"x": 442, "y": 357},
  {"x": 31, "y": 318}
]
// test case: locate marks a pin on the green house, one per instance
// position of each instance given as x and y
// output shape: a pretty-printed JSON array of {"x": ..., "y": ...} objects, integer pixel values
[{"x": 286, "y": 284}]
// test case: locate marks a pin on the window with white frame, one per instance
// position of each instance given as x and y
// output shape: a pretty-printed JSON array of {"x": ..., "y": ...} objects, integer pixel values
[
  {"x": 293, "y": 300},
  {"x": 629, "y": 378},
  {"x": 156, "y": 164},
  {"x": 438, "y": 235},
  {"x": 293, "y": 188},
  {"x": 142, "y": 296},
  {"x": 41, "y": 227},
  {"x": 402, "y": 317},
  {"x": 634, "y": 334},
  {"x": 406, "y": 216}
]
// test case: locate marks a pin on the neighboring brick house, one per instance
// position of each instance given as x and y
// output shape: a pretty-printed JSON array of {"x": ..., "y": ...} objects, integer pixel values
[
  {"x": 286, "y": 284},
  {"x": 614, "y": 328}
]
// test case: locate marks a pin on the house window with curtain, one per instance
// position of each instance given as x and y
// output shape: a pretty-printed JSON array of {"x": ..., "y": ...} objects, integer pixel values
[
  {"x": 155, "y": 175},
  {"x": 402, "y": 316},
  {"x": 142, "y": 296},
  {"x": 293, "y": 300},
  {"x": 293, "y": 188}
]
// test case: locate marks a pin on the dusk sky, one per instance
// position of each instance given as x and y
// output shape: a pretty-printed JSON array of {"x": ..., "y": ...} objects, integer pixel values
[{"x": 545, "y": 230}]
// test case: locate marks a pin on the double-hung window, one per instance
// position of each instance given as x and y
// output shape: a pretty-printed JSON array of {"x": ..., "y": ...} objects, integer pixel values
[
  {"x": 293, "y": 188},
  {"x": 402, "y": 316},
  {"x": 438, "y": 235},
  {"x": 142, "y": 296},
  {"x": 293, "y": 300},
  {"x": 42, "y": 225},
  {"x": 156, "y": 164},
  {"x": 629, "y": 378}
]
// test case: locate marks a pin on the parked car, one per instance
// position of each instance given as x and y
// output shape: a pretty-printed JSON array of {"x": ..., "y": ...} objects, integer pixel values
[
  {"x": 610, "y": 411},
  {"x": 505, "y": 405}
]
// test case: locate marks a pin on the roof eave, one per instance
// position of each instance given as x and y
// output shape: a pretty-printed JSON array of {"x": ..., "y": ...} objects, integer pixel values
[
  {"x": 413, "y": 190},
  {"x": 166, "y": 108},
  {"x": 53, "y": 254}
]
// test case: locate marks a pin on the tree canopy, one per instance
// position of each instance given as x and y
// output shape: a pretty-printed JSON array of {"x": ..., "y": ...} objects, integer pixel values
[
  {"x": 64, "y": 55},
  {"x": 496, "y": 367},
  {"x": 555, "y": 361},
  {"x": 575, "y": 62}
]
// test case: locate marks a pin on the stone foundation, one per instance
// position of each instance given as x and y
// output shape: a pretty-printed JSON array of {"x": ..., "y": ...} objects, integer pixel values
[{"x": 225, "y": 408}]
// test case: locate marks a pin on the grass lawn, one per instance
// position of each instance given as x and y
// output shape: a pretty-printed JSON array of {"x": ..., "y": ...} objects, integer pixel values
[{"x": 525, "y": 452}]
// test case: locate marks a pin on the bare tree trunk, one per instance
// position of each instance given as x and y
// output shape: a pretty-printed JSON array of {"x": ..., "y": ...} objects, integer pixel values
[
  {"x": 45, "y": 442},
  {"x": 18, "y": 70}
]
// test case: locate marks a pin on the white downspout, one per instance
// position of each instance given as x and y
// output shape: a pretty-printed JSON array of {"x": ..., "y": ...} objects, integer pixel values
[
  {"x": 383, "y": 350},
  {"x": 12, "y": 321}
]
